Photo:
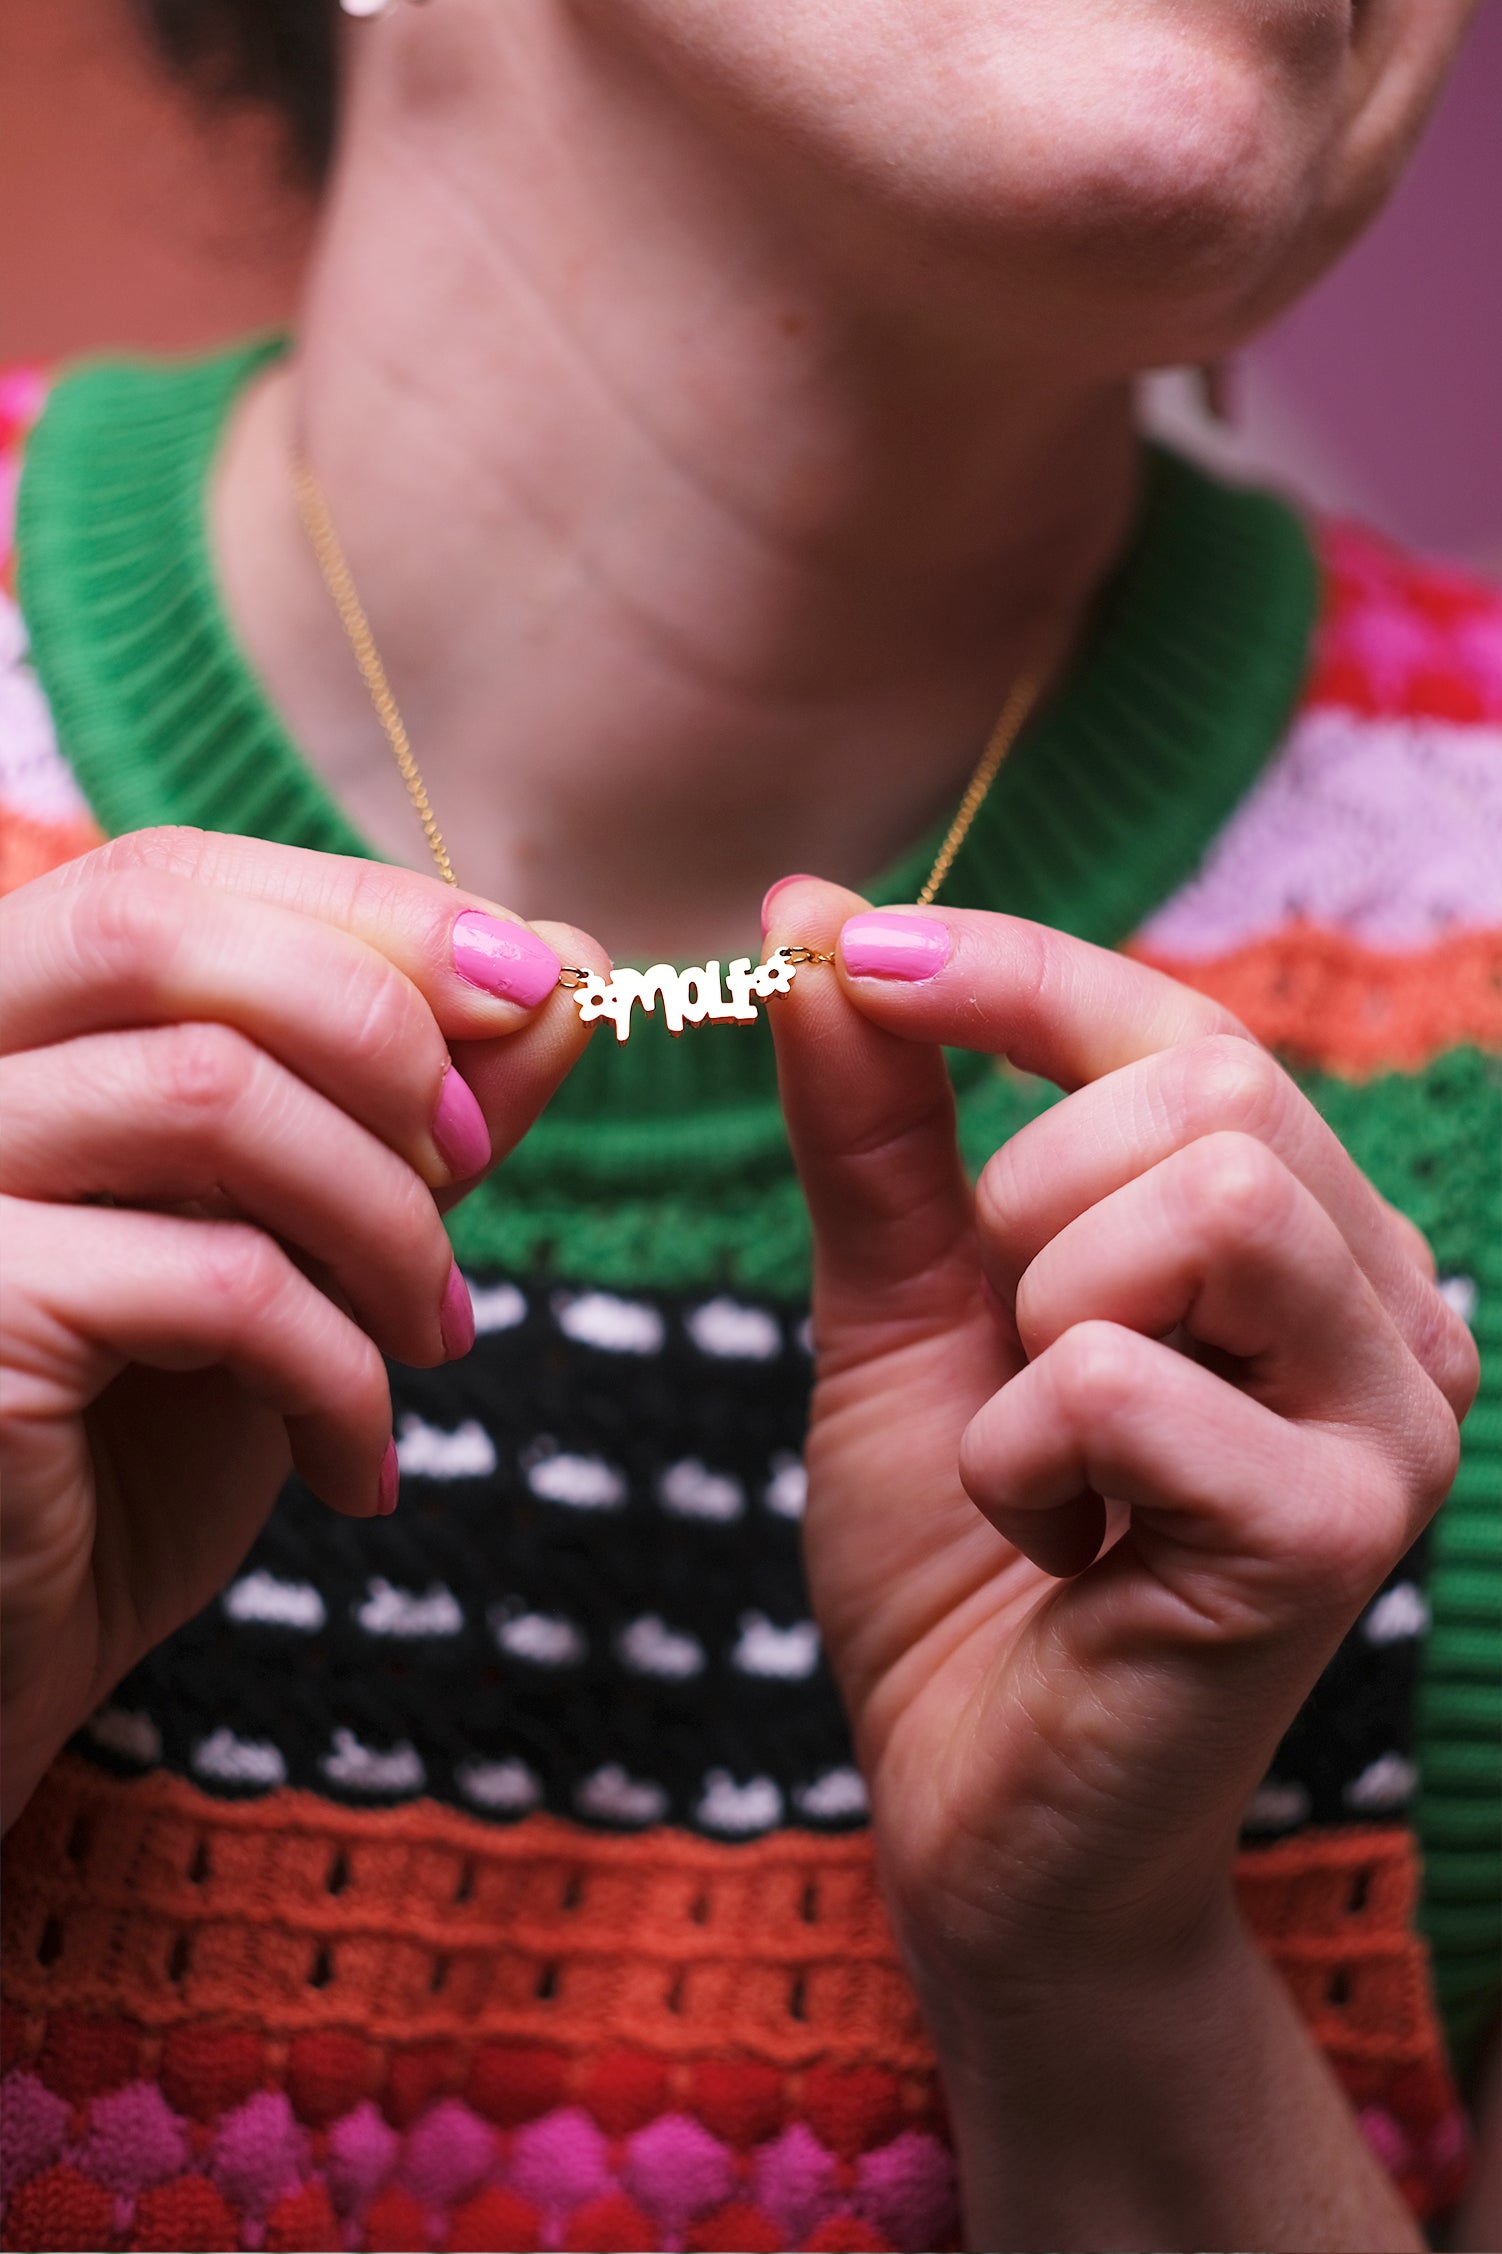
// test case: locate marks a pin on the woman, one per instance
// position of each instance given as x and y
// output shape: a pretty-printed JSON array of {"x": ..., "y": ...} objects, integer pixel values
[{"x": 707, "y": 422}]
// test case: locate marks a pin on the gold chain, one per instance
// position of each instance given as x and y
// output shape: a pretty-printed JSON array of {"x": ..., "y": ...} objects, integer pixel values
[
  {"x": 324, "y": 541},
  {"x": 1002, "y": 737}
]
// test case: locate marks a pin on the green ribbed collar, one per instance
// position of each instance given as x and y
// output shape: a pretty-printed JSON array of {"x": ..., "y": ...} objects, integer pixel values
[{"x": 1104, "y": 807}]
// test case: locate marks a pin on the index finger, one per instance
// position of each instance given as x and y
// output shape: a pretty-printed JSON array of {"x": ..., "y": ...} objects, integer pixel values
[
  {"x": 480, "y": 968},
  {"x": 1076, "y": 1015},
  {"x": 1055, "y": 1006},
  {"x": 867, "y": 1098}
]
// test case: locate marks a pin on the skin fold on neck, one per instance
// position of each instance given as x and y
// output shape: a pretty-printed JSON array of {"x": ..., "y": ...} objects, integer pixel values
[{"x": 694, "y": 555}]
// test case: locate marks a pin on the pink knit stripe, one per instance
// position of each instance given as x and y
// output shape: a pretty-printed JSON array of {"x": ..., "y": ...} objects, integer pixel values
[
  {"x": 559, "y": 2167},
  {"x": 1385, "y": 830},
  {"x": 1402, "y": 637}
]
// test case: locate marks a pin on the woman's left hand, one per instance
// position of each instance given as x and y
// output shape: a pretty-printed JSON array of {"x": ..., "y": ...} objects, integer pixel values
[{"x": 1173, "y": 1290}]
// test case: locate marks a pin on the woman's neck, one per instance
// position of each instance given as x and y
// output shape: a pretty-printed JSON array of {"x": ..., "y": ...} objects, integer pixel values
[{"x": 691, "y": 559}]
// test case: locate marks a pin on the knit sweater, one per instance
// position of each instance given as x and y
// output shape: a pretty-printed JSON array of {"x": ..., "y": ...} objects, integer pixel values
[{"x": 496, "y": 1875}]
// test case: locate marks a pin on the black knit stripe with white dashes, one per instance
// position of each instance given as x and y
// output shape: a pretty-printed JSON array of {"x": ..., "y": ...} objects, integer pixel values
[{"x": 591, "y": 1600}]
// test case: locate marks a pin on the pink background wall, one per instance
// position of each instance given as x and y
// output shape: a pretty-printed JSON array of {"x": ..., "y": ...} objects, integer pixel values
[{"x": 127, "y": 219}]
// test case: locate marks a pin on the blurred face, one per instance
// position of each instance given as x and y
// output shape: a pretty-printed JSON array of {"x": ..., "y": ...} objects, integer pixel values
[{"x": 1137, "y": 181}]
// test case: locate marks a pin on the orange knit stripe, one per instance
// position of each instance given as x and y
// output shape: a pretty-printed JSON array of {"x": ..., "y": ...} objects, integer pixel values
[
  {"x": 31, "y": 849},
  {"x": 1328, "y": 1002},
  {"x": 1334, "y": 1910},
  {"x": 150, "y": 1900}
]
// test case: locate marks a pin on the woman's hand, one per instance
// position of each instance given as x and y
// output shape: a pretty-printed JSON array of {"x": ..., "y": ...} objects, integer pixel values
[
  {"x": 237, "y": 1084},
  {"x": 1106, "y": 1456}
]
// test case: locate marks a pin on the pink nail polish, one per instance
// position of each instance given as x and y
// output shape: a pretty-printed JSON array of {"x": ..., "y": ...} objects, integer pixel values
[
  {"x": 390, "y": 1481},
  {"x": 880, "y": 945},
  {"x": 456, "y": 1317},
  {"x": 504, "y": 958},
  {"x": 772, "y": 891},
  {"x": 459, "y": 1129}
]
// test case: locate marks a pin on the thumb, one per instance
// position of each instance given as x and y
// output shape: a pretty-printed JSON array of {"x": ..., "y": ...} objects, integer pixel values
[{"x": 871, "y": 1120}]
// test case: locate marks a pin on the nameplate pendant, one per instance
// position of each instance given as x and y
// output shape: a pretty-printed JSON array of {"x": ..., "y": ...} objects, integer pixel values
[{"x": 698, "y": 996}]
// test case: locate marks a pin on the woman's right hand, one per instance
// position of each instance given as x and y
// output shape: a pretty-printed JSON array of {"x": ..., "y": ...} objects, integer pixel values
[{"x": 231, "y": 1110}]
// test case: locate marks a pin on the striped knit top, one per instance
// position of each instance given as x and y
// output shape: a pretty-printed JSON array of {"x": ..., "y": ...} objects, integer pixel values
[{"x": 496, "y": 1875}]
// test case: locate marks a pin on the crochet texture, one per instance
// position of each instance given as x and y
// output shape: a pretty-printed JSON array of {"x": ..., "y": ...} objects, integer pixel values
[{"x": 496, "y": 1876}]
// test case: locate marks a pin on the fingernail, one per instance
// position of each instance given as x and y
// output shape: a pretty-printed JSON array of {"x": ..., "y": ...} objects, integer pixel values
[
  {"x": 504, "y": 958},
  {"x": 456, "y": 1317},
  {"x": 771, "y": 893},
  {"x": 883, "y": 946},
  {"x": 390, "y": 1481},
  {"x": 459, "y": 1129}
]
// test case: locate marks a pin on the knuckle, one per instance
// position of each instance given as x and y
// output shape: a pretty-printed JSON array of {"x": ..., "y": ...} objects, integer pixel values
[
  {"x": 1030, "y": 1312},
  {"x": 349, "y": 1384},
  {"x": 1096, "y": 1372},
  {"x": 1034, "y": 954},
  {"x": 371, "y": 893},
  {"x": 1436, "y": 1452},
  {"x": 241, "y": 1275},
  {"x": 121, "y": 931},
  {"x": 982, "y": 1465},
  {"x": 1445, "y": 1348},
  {"x": 1444, "y": 1462},
  {"x": 170, "y": 848},
  {"x": 368, "y": 1387},
  {"x": 997, "y": 1192},
  {"x": 1459, "y": 1378},
  {"x": 382, "y": 1020},
  {"x": 1228, "y": 1082},
  {"x": 1412, "y": 1239},
  {"x": 421, "y": 1227},
  {"x": 1237, "y": 1191},
  {"x": 1036, "y": 967},
  {"x": 417, "y": 1250},
  {"x": 74, "y": 888},
  {"x": 1392, "y": 1487},
  {"x": 1348, "y": 1522},
  {"x": 201, "y": 1073},
  {"x": 1358, "y": 1547}
]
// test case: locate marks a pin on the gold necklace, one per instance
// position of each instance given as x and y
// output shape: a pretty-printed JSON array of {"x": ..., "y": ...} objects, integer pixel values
[{"x": 695, "y": 996}]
